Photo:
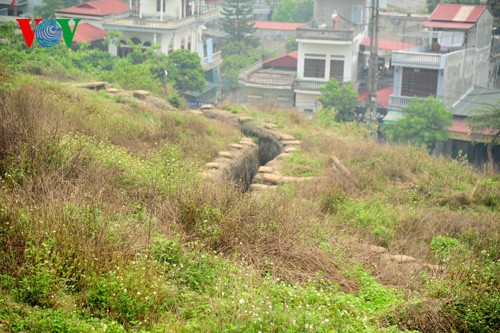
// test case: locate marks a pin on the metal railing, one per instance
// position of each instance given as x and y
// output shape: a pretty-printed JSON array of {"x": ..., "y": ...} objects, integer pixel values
[
  {"x": 418, "y": 60},
  {"x": 325, "y": 34}
]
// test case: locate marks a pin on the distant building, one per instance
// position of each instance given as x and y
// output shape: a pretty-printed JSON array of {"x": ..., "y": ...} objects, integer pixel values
[
  {"x": 453, "y": 59},
  {"x": 172, "y": 25},
  {"x": 273, "y": 35},
  {"x": 328, "y": 47},
  {"x": 95, "y": 12},
  {"x": 270, "y": 81}
]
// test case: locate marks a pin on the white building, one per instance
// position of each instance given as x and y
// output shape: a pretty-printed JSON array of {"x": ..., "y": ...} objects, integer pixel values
[
  {"x": 329, "y": 47},
  {"x": 453, "y": 59},
  {"x": 172, "y": 24}
]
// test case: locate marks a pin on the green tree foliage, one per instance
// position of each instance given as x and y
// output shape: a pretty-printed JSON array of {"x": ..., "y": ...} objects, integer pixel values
[
  {"x": 237, "y": 18},
  {"x": 238, "y": 55},
  {"x": 423, "y": 124},
  {"x": 291, "y": 44},
  {"x": 184, "y": 68},
  {"x": 50, "y": 6},
  {"x": 487, "y": 118},
  {"x": 294, "y": 11},
  {"x": 341, "y": 98}
]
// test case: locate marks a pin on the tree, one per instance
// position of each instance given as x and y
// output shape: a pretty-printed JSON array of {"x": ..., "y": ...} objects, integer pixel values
[
  {"x": 423, "y": 124},
  {"x": 50, "y": 6},
  {"x": 237, "y": 55},
  {"x": 487, "y": 118},
  {"x": 291, "y": 44},
  {"x": 341, "y": 98},
  {"x": 294, "y": 11},
  {"x": 184, "y": 69},
  {"x": 237, "y": 18}
]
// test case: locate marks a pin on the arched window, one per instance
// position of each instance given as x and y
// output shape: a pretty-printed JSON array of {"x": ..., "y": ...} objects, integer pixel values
[
  {"x": 183, "y": 43},
  {"x": 189, "y": 43}
]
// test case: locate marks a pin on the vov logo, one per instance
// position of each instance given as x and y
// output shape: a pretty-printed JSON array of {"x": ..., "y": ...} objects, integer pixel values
[{"x": 48, "y": 33}]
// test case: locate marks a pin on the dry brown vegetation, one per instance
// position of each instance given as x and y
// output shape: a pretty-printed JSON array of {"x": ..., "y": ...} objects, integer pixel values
[{"x": 89, "y": 185}]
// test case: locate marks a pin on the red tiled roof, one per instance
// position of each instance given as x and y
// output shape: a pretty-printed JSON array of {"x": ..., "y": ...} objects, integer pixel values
[
  {"x": 448, "y": 25},
  {"x": 389, "y": 45},
  {"x": 457, "y": 13},
  {"x": 284, "y": 26},
  {"x": 88, "y": 33},
  {"x": 97, "y": 8},
  {"x": 382, "y": 97},
  {"x": 285, "y": 61}
]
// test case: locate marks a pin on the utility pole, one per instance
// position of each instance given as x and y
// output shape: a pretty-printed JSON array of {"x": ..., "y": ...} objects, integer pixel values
[{"x": 371, "y": 102}]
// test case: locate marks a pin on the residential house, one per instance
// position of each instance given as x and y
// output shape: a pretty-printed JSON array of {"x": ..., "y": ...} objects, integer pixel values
[
  {"x": 452, "y": 60},
  {"x": 95, "y": 12},
  {"x": 328, "y": 47},
  {"x": 172, "y": 25},
  {"x": 270, "y": 81},
  {"x": 462, "y": 141}
]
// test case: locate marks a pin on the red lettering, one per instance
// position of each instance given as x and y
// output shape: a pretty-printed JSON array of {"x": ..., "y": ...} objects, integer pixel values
[{"x": 28, "y": 33}]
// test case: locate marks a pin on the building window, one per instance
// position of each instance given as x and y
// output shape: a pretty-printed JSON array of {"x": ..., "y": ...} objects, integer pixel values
[
  {"x": 314, "y": 68},
  {"x": 419, "y": 82},
  {"x": 337, "y": 70}
]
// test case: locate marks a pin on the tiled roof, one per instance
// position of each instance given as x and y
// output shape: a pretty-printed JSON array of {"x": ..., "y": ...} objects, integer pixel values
[
  {"x": 285, "y": 61},
  {"x": 88, "y": 33},
  {"x": 389, "y": 45},
  {"x": 457, "y": 13},
  {"x": 97, "y": 8},
  {"x": 284, "y": 26}
]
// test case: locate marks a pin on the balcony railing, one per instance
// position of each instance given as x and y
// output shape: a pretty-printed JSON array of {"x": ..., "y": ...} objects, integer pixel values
[
  {"x": 401, "y": 102},
  {"x": 216, "y": 61},
  {"x": 167, "y": 23},
  {"x": 271, "y": 80},
  {"x": 325, "y": 34},
  {"x": 418, "y": 60},
  {"x": 309, "y": 85}
]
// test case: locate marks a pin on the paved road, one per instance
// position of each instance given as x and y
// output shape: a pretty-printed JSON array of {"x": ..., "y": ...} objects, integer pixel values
[{"x": 407, "y": 5}]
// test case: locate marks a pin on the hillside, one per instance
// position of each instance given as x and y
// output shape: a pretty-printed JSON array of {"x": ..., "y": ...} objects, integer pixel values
[{"x": 108, "y": 224}]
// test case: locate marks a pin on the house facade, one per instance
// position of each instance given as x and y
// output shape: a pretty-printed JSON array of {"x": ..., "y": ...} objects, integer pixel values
[
  {"x": 453, "y": 58},
  {"x": 328, "y": 47},
  {"x": 171, "y": 24}
]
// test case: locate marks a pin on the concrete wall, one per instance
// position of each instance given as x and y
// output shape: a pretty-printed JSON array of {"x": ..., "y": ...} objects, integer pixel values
[
  {"x": 484, "y": 30},
  {"x": 261, "y": 96},
  {"x": 305, "y": 101},
  {"x": 463, "y": 70}
]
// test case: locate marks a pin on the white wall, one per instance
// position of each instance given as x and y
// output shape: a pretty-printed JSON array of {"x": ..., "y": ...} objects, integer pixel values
[
  {"x": 305, "y": 101},
  {"x": 349, "y": 52}
]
